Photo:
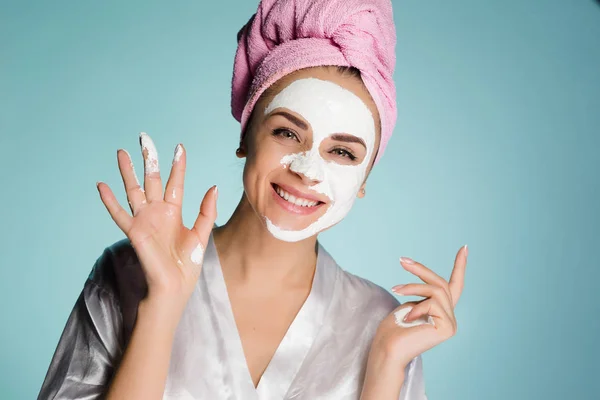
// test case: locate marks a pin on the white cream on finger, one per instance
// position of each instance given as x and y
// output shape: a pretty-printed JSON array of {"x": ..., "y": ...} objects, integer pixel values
[
  {"x": 151, "y": 160},
  {"x": 400, "y": 314},
  {"x": 197, "y": 254},
  {"x": 178, "y": 153},
  {"x": 133, "y": 169}
]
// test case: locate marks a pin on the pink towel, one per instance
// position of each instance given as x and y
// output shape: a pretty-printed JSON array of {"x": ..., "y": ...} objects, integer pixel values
[{"x": 286, "y": 35}]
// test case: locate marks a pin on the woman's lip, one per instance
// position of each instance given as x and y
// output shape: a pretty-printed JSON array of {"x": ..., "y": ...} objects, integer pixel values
[
  {"x": 293, "y": 207},
  {"x": 297, "y": 193}
]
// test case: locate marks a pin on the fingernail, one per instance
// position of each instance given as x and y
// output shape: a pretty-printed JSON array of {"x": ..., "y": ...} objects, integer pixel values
[
  {"x": 97, "y": 185},
  {"x": 151, "y": 160},
  {"x": 405, "y": 319},
  {"x": 406, "y": 260},
  {"x": 128, "y": 155},
  {"x": 397, "y": 288},
  {"x": 177, "y": 154},
  {"x": 216, "y": 192},
  {"x": 466, "y": 251}
]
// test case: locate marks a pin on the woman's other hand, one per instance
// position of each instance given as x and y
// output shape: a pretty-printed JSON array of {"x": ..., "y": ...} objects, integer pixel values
[
  {"x": 415, "y": 327},
  {"x": 170, "y": 254}
]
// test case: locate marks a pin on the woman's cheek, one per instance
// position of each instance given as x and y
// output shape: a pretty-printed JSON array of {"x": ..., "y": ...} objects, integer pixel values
[{"x": 346, "y": 182}]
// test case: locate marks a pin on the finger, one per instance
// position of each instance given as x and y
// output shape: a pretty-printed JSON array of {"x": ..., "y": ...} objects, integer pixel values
[
  {"x": 431, "y": 308},
  {"x": 207, "y": 216},
  {"x": 426, "y": 275},
  {"x": 174, "y": 188},
  {"x": 135, "y": 194},
  {"x": 401, "y": 313},
  {"x": 428, "y": 337},
  {"x": 196, "y": 244},
  {"x": 118, "y": 213},
  {"x": 152, "y": 181},
  {"x": 457, "y": 279},
  {"x": 425, "y": 290}
]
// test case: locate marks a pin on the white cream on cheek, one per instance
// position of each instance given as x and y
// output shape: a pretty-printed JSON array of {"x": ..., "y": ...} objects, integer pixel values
[{"x": 329, "y": 109}]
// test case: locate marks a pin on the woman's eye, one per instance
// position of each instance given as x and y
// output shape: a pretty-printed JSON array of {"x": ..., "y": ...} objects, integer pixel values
[
  {"x": 285, "y": 133},
  {"x": 344, "y": 153}
]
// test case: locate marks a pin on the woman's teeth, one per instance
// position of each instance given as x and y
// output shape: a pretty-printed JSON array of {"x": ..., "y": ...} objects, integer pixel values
[{"x": 295, "y": 200}]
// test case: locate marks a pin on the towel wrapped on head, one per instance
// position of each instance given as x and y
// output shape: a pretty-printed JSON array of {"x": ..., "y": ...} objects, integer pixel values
[{"x": 287, "y": 35}]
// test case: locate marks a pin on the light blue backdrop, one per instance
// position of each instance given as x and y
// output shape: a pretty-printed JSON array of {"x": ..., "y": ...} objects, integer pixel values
[{"x": 496, "y": 146}]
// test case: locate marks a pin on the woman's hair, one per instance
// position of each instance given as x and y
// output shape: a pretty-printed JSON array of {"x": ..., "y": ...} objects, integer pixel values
[
  {"x": 284, "y": 36},
  {"x": 352, "y": 71}
]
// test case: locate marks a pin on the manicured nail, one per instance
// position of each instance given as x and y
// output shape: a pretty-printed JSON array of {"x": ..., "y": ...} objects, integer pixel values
[
  {"x": 177, "y": 154},
  {"x": 97, "y": 185},
  {"x": 216, "y": 192},
  {"x": 466, "y": 250},
  {"x": 396, "y": 289},
  {"x": 406, "y": 260},
  {"x": 405, "y": 319}
]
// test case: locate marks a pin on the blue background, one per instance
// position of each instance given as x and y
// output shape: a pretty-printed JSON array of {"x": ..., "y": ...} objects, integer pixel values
[{"x": 496, "y": 146}]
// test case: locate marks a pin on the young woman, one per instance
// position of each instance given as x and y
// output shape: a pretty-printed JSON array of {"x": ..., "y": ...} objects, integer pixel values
[{"x": 256, "y": 308}]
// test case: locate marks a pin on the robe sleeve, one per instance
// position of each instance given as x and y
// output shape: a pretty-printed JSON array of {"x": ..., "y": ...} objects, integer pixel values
[
  {"x": 90, "y": 346},
  {"x": 414, "y": 381}
]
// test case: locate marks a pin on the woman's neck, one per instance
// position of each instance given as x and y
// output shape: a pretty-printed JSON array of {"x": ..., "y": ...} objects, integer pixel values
[{"x": 249, "y": 253}]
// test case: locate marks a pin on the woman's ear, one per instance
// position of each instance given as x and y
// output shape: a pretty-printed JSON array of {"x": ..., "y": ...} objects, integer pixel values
[
  {"x": 240, "y": 152},
  {"x": 361, "y": 192}
]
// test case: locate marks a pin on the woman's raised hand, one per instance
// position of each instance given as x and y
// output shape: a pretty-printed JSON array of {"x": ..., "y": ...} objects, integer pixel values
[
  {"x": 170, "y": 254},
  {"x": 415, "y": 327}
]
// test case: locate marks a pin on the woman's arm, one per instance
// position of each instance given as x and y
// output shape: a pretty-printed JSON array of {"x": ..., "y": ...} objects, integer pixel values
[
  {"x": 170, "y": 257},
  {"x": 383, "y": 379},
  {"x": 143, "y": 370},
  {"x": 89, "y": 347},
  {"x": 386, "y": 379}
]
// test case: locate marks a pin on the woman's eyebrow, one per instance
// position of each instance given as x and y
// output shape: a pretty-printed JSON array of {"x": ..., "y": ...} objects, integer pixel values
[
  {"x": 340, "y": 137},
  {"x": 293, "y": 119}
]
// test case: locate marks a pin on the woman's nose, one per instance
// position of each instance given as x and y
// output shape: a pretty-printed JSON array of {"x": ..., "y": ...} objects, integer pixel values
[
  {"x": 309, "y": 168},
  {"x": 309, "y": 181}
]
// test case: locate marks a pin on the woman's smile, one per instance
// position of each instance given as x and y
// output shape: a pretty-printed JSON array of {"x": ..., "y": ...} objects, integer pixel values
[{"x": 294, "y": 201}]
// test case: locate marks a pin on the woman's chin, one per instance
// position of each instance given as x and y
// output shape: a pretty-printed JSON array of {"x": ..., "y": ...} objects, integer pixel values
[
  {"x": 287, "y": 224},
  {"x": 284, "y": 216}
]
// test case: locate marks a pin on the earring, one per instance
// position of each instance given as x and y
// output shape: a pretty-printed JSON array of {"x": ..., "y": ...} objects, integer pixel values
[{"x": 362, "y": 191}]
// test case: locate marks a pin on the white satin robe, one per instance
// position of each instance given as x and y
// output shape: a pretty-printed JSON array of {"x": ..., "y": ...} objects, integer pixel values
[{"x": 322, "y": 356}]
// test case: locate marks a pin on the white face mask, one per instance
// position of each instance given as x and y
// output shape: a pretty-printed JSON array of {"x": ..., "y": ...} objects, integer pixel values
[{"x": 329, "y": 109}]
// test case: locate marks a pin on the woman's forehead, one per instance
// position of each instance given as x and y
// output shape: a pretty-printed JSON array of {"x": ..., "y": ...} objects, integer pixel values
[
  {"x": 327, "y": 107},
  {"x": 349, "y": 82}
]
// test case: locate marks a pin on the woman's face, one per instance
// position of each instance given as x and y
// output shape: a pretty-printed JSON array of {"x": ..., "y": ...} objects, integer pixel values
[{"x": 311, "y": 143}]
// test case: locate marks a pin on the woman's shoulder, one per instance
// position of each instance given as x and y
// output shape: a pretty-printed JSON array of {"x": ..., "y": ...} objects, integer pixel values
[
  {"x": 118, "y": 269},
  {"x": 119, "y": 273},
  {"x": 361, "y": 293}
]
